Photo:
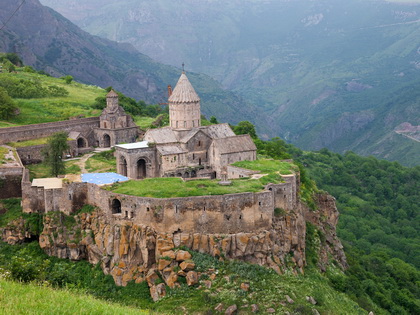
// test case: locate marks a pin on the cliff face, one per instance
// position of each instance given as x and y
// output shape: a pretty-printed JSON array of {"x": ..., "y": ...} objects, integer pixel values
[{"x": 130, "y": 251}]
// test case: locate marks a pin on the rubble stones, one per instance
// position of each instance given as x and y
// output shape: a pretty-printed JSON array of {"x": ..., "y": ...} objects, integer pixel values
[
  {"x": 231, "y": 310},
  {"x": 192, "y": 278},
  {"x": 289, "y": 300},
  {"x": 219, "y": 307},
  {"x": 245, "y": 286}
]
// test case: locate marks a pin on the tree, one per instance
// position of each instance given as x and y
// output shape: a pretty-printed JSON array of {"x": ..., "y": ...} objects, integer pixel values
[
  {"x": 53, "y": 153},
  {"x": 213, "y": 120},
  {"x": 245, "y": 127},
  {"x": 7, "y": 105},
  {"x": 68, "y": 79}
]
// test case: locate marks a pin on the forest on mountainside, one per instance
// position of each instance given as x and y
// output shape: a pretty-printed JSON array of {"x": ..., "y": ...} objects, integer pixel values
[{"x": 379, "y": 205}]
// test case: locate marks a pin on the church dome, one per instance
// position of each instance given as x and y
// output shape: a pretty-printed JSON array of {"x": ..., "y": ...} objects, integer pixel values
[{"x": 184, "y": 92}]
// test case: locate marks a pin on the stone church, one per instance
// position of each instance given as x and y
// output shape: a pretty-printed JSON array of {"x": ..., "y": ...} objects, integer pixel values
[{"x": 185, "y": 148}]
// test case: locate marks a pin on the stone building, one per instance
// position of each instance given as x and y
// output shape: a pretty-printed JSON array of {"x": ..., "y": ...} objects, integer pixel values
[
  {"x": 185, "y": 148},
  {"x": 115, "y": 126}
]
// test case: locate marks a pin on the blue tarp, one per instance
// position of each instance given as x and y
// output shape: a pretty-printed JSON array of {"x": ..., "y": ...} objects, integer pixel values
[{"x": 103, "y": 178}]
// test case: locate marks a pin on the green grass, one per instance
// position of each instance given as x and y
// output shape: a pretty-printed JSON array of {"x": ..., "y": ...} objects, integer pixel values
[
  {"x": 267, "y": 289},
  {"x": 176, "y": 187},
  {"x": 14, "y": 211},
  {"x": 144, "y": 122},
  {"x": 3, "y": 152},
  {"x": 41, "y": 110},
  {"x": 19, "y": 298},
  {"x": 33, "y": 221},
  {"x": 42, "y": 170},
  {"x": 102, "y": 162},
  {"x": 29, "y": 143}
]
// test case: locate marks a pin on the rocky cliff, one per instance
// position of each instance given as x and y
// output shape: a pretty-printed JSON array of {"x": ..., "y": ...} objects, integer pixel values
[{"x": 131, "y": 251}]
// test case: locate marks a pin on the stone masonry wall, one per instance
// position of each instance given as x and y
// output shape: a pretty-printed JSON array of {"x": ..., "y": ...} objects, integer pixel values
[{"x": 29, "y": 132}]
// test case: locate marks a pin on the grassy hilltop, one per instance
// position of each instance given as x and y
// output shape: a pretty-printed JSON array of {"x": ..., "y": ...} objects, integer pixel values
[{"x": 50, "y": 108}]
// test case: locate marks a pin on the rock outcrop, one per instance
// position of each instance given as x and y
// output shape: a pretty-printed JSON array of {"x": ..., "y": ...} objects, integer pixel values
[{"x": 133, "y": 252}]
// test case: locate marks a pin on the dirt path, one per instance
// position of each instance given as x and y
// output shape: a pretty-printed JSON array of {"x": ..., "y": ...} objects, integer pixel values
[{"x": 82, "y": 162}]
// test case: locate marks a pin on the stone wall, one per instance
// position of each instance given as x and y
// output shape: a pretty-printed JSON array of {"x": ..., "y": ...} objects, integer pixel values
[
  {"x": 127, "y": 162},
  {"x": 33, "y": 154},
  {"x": 29, "y": 132},
  {"x": 10, "y": 182},
  {"x": 116, "y": 136},
  {"x": 232, "y": 213},
  {"x": 239, "y": 172}
]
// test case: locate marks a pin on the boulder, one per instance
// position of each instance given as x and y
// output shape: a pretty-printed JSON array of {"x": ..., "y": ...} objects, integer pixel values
[
  {"x": 254, "y": 308},
  {"x": 151, "y": 277},
  {"x": 163, "y": 263},
  {"x": 182, "y": 255},
  {"x": 219, "y": 307},
  {"x": 157, "y": 291},
  {"x": 231, "y": 310},
  {"x": 289, "y": 300},
  {"x": 192, "y": 278},
  {"x": 245, "y": 286},
  {"x": 187, "y": 265},
  {"x": 311, "y": 300}
]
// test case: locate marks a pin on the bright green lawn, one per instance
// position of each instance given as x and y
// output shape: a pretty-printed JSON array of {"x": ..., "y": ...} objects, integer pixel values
[
  {"x": 18, "y": 298},
  {"x": 42, "y": 170},
  {"x": 144, "y": 122},
  {"x": 103, "y": 162},
  {"x": 40, "y": 110},
  {"x": 29, "y": 143},
  {"x": 176, "y": 187}
]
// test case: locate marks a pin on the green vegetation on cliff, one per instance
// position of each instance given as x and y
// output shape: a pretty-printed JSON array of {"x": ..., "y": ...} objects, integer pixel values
[{"x": 27, "y": 263}]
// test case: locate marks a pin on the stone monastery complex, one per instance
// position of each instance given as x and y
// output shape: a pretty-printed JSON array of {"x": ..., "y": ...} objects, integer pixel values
[
  {"x": 127, "y": 233},
  {"x": 185, "y": 148}
]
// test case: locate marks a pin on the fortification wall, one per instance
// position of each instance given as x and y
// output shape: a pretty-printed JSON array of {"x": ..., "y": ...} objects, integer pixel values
[
  {"x": 203, "y": 214},
  {"x": 10, "y": 182},
  {"x": 33, "y": 154},
  {"x": 29, "y": 132},
  {"x": 231, "y": 213}
]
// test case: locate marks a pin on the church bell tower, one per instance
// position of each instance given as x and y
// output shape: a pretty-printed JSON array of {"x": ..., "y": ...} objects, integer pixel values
[{"x": 184, "y": 106}]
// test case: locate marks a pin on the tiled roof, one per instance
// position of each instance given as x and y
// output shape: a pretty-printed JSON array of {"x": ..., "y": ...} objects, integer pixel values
[
  {"x": 241, "y": 143},
  {"x": 170, "y": 149},
  {"x": 112, "y": 94},
  {"x": 184, "y": 92},
  {"x": 161, "y": 135},
  {"x": 218, "y": 131}
]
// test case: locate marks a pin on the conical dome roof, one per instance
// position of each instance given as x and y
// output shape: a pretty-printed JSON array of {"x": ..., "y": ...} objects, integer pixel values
[
  {"x": 184, "y": 92},
  {"x": 112, "y": 93}
]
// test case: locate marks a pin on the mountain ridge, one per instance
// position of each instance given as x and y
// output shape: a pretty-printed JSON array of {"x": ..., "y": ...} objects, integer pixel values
[
  {"x": 50, "y": 42},
  {"x": 306, "y": 65}
]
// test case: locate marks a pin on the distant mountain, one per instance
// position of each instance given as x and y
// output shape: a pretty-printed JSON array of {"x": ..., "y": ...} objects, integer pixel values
[
  {"x": 341, "y": 74},
  {"x": 48, "y": 41}
]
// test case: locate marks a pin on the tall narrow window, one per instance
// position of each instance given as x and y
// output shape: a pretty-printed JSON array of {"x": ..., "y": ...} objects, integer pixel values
[{"x": 185, "y": 124}]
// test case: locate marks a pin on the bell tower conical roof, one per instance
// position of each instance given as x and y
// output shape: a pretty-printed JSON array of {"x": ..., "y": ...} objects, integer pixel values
[
  {"x": 184, "y": 106},
  {"x": 184, "y": 92}
]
